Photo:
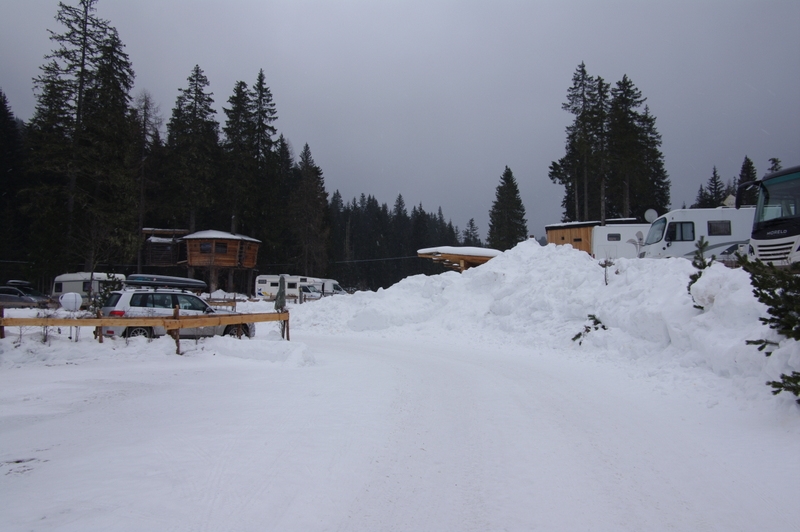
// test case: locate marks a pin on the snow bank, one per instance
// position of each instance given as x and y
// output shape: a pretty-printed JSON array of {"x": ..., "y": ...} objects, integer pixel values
[{"x": 541, "y": 297}]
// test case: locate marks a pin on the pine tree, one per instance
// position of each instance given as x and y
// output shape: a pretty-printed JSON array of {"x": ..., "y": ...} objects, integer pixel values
[
  {"x": 774, "y": 165},
  {"x": 471, "y": 236},
  {"x": 311, "y": 226},
  {"x": 241, "y": 157},
  {"x": 507, "y": 224},
  {"x": 625, "y": 141},
  {"x": 713, "y": 195},
  {"x": 11, "y": 181},
  {"x": 193, "y": 143},
  {"x": 747, "y": 174},
  {"x": 579, "y": 137}
]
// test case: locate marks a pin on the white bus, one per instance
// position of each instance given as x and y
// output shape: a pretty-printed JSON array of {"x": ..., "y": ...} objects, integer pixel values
[{"x": 775, "y": 224}]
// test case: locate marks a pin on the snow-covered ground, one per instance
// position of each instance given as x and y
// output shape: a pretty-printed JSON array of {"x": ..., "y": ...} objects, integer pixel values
[{"x": 452, "y": 402}]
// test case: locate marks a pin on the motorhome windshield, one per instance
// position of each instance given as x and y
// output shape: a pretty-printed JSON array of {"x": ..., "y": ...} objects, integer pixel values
[
  {"x": 656, "y": 232},
  {"x": 778, "y": 200}
]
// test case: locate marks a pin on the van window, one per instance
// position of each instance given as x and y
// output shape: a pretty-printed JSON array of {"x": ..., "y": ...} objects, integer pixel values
[
  {"x": 719, "y": 228},
  {"x": 680, "y": 232}
]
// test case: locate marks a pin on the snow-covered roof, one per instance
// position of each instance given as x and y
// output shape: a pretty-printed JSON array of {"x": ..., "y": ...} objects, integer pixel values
[
  {"x": 460, "y": 250},
  {"x": 218, "y": 235}
]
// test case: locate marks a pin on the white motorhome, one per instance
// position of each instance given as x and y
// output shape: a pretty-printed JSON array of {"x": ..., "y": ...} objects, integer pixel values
[
  {"x": 84, "y": 283},
  {"x": 676, "y": 233},
  {"x": 331, "y": 287},
  {"x": 267, "y": 286}
]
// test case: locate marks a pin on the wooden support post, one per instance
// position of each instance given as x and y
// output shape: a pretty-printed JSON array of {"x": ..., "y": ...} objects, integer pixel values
[
  {"x": 99, "y": 330},
  {"x": 2, "y": 329},
  {"x": 177, "y": 332},
  {"x": 287, "y": 330}
]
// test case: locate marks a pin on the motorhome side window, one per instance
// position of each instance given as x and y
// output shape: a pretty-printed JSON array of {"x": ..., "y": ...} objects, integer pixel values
[
  {"x": 291, "y": 285},
  {"x": 261, "y": 281},
  {"x": 86, "y": 286},
  {"x": 680, "y": 232},
  {"x": 58, "y": 288},
  {"x": 719, "y": 228},
  {"x": 614, "y": 237}
]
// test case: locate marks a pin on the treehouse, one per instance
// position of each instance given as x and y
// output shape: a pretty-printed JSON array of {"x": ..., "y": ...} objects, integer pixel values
[{"x": 217, "y": 251}]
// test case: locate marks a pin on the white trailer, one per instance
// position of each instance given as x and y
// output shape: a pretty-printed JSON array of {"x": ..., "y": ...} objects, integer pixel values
[
  {"x": 618, "y": 238},
  {"x": 267, "y": 286},
  {"x": 676, "y": 233},
  {"x": 84, "y": 283}
]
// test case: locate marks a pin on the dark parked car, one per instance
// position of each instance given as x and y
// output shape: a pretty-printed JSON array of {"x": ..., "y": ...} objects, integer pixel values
[{"x": 22, "y": 294}]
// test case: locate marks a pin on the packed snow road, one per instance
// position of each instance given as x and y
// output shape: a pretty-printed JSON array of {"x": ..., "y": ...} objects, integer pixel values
[{"x": 359, "y": 432}]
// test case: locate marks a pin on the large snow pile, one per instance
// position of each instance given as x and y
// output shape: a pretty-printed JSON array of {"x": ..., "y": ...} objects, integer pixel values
[{"x": 541, "y": 297}]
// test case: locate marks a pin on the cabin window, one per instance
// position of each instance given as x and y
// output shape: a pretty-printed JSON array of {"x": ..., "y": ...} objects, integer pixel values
[
  {"x": 58, "y": 288},
  {"x": 614, "y": 237},
  {"x": 205, "y": 247},
  {"x": 220, "y": 248},
  {"x": 719, "y": 228},
  {"x": 680, "y": 232}
]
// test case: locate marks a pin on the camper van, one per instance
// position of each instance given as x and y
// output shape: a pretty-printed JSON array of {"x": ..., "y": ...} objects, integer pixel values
[
  {"x": 84, "y": 283},
  {"x": 267, "y": 287},
  {"x": 676, "y": 233},
  {"x": 616, "y": 239},
  {"x": 331, "y": 287}
]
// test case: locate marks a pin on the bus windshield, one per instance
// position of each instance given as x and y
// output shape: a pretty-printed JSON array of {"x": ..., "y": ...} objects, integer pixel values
[{"x": 779, "y": 198}]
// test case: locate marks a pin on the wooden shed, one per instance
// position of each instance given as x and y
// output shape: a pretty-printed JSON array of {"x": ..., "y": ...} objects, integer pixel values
[
  {"x": 579, "y": 234},
  {"x": 217, "y": 250},
  {"x": 163, "y": 246}
]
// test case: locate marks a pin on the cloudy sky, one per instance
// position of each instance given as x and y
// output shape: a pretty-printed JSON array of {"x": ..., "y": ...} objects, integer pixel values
[{"x": 433, "y": 98}]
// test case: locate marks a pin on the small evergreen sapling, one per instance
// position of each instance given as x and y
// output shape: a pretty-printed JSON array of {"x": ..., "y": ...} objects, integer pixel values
[
  {"x": 779, "y": 289},
  {"x": 594, "y": 326},
  {"x": 699, "y": 261}
]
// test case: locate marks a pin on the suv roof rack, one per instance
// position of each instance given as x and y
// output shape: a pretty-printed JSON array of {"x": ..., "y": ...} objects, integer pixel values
[{"x": 165, "y": 281}]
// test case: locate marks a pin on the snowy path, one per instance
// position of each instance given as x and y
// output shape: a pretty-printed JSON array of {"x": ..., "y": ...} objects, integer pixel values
[{"x": 381, "y": 434}]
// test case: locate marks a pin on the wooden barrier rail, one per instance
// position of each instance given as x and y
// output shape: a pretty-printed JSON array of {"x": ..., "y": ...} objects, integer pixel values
[{"x": 173, "y": 323}]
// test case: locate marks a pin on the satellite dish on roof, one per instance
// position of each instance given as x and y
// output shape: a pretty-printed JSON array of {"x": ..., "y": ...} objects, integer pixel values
[
  {"x": 70, "y": 301},
  {"x": 650, "y": 215}
]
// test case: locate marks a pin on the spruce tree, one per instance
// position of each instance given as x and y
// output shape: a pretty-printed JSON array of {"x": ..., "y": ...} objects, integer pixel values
[
  {"x": 193, "y": 144},
  {"x": 747, "y": 174},
  {"x": 471, "y": 236},
  {"x": 507, "y": 224},
  {"x": 311, "y": 226},
  {"x": 625, "y": 137}
]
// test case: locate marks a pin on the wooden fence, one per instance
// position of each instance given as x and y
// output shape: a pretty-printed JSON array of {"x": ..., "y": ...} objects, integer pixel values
[{"x": 171, "y": 324}]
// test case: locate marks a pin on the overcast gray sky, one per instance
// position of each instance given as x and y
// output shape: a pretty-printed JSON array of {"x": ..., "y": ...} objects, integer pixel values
[{"x": 432, "y": 99}]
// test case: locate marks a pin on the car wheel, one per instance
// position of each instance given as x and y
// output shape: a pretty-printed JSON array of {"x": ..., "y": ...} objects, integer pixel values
[
  {"x": 131, "y": 332},
  {"x": 232, "y": 330}
]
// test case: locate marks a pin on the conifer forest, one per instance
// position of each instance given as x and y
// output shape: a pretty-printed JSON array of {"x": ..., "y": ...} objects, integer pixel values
[{"x": 97, "y": 164}]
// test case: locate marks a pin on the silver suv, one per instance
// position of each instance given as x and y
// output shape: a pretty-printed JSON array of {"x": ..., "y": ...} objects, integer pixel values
[{"x": 146, "y": 302}]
